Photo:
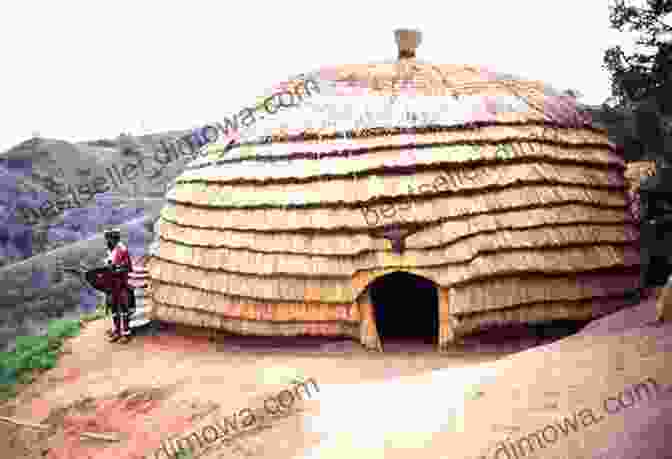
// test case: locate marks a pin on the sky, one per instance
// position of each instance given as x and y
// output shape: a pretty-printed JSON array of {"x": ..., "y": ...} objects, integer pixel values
[{"x": 79, "y": 71}]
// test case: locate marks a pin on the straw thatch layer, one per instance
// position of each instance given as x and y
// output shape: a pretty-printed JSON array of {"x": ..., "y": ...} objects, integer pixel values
[
  {"x": 459, "y": 325},
  {"x": 247, "y": 161},
  {"x": 307, "y": 170},
  {"x": 497, "y": 293},
  {"x": 304, "y": 130},
  {"x": 429, "y": 79},
  {"x": 546, "y": 261},
  {"x": 312, "y": 166},
  {"x": 236, "y": 307},
  {"x": 501, "y": 293},
  {"x": 501, "y": 103},
  {"x": 577, "y": 214},
  {"x": 433, "y": 236},
  {"x": 536, "y": 312},
  {"x": 464, "y": 250},
  {"x": 345, "y": 289},
  {"x": 406, "y": 187},
  {"x": 200, "y": 318},
  {"x": 438, "y": 209}
]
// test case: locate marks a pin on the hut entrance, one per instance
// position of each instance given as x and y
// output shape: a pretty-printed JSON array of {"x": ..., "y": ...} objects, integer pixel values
[{"x": 406, "y": 308}]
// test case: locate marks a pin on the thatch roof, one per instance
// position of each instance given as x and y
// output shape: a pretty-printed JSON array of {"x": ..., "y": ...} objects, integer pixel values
[{"x": 513, "y": 201}]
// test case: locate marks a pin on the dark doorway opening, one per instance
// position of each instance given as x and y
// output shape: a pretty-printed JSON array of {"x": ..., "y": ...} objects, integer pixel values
[{"x": 406, "y": 308}]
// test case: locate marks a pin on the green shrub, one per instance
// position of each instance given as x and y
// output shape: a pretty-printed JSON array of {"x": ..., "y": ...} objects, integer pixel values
[
  {"x": 62, "y": 328},
  {"x": 28, "y": 343},
  {"x": 7, "y": 371},
  {"x": 7, "y": 391},
  {"x": 33, "y": 353}
]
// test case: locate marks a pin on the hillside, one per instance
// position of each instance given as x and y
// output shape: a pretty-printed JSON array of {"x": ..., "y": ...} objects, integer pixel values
[{"x": 56, "y": 198}]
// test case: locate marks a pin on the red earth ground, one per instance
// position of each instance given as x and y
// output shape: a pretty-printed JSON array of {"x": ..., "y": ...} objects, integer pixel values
[{"x": 166, "y": 384}]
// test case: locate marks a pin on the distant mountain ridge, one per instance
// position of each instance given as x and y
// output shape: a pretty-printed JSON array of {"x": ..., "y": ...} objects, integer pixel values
[{"x": 72, "y": 192}]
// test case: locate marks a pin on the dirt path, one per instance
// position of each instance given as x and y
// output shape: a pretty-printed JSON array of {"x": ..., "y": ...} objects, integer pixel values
[{"x": 369, "y": 405}]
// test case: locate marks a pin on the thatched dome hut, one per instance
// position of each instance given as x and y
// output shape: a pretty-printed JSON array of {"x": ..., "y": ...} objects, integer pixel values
[{"x": 438, "y": 199}]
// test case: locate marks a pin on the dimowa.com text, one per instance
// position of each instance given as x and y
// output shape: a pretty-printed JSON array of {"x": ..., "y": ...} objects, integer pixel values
[
  {"x": 551, "y": 432},
  {"x": 272, "y": 104},
  {"x": 228, "y": 430}
]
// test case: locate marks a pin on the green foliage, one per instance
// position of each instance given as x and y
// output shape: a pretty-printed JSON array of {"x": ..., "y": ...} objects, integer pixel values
[
  {"x": 33, "y": 353},
  {"x": 63, "y": 328},
  {"x": 648, "y": 72},
  {"x": 7, "y": 391},
  {"x": 7, "y": 374},
  {"x": 642, "y": 82}
]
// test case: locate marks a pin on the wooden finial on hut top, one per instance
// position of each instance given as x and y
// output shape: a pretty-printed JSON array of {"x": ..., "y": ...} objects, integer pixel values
[{"x": 408, "y": 41}]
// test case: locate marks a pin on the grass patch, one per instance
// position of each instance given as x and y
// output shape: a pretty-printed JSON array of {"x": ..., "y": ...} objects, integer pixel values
[
  {"x": 34, "y": 353},
  {"x": 38, "y": 352}
]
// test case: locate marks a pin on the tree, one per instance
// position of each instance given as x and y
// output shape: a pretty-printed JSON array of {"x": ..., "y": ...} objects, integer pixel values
[
  {"x": 641, "y": 83},
  {"x": 648, "y": 71}
]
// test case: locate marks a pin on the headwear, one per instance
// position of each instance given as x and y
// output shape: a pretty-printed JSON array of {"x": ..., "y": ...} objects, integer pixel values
[{"x": 111, "y": 233}]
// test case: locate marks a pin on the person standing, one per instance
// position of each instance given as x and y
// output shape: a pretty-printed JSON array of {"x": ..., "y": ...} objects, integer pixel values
[{"x": 119, "y": 299}]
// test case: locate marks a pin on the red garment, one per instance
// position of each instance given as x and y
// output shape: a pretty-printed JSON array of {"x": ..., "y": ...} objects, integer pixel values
[
  {"x": 118, "y": 282},
  {"x": 119, "y": 256},
  {"x": 111, "y": 283}
]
